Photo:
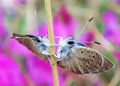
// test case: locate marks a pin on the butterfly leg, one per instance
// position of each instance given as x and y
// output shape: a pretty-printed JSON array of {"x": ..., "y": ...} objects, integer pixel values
[
  {"x": 58, "y": 59},
  {"x": 53, "y": 55},
  {"x": 48, "y": 57},
  {"x": 51, "y": 62},
  {"x": 94, "y": 42}
]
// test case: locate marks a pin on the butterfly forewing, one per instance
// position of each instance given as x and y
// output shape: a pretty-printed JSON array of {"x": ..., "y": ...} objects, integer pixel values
[
  {"x": 28, "y": 41},
  {"x": 84, "y": 60}
]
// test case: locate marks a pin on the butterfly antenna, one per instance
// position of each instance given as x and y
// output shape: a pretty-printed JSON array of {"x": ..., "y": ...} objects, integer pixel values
[
  {"x": 94, "y": 42},
  {"x": 36, "y": 23},
  {"x": 77, "y": 36},
  {"x": 97, "y": 43}
]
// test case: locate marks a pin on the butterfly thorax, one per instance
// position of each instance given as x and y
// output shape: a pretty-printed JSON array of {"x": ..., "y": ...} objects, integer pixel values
[
  {"x": 43, "y": 44},
  {"x": 65, "y": 46}
]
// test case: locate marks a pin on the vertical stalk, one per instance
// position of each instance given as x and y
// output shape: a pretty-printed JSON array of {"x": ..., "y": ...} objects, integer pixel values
[
  {"x": 30, "y": 16},
  {"x": 51, "y": 39},
  {"x": 116, "y": 78}
]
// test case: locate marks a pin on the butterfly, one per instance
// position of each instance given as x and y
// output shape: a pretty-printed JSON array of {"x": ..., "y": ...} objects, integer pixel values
[
  {"x": 39, "y": 45},
  {"x": 81, "y": 59}
]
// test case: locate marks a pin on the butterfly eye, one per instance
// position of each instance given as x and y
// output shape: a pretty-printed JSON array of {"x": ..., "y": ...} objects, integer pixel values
[
  {"x": 70, "y": 42},
  {"x": 38, "y": 40}
]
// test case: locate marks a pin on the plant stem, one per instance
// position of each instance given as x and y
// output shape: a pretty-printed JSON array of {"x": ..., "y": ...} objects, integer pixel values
[
  {"x": 51, "y": 39},
  {"x": 116, "y": 78}
]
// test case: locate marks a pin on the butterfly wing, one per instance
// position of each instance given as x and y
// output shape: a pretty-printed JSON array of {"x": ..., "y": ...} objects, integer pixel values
[
  {"x": 83, "y": 60},
  {"x": 106, "y": 66},
  {"x": 29, "y": 42}
]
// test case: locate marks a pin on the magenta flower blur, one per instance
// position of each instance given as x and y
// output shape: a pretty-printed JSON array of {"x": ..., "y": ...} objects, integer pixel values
[
  {"x": 96, "y": 82},
  {"x": 112, "y": 28},
  {"x": 87, "y": 37},
  {"x": 40, "y": 72},
  {"x": 17, "y": 48},
  {"x": 117, "y": 56},
  {"x": 10, "y": 73},
  {"x": 63, "y": 23}
]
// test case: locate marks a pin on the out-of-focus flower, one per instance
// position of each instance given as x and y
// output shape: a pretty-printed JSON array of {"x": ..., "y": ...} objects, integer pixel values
[
  {"x": 117, "y": 56},
  {"x": 40, "y": 72},
  {"x": 17, "y": 48},
  {"x": 112, "y": 28},
  {"x": 3, "y": 32},
  {"x": 87, "y": 37},
  {"x": 117, "y": 1},
  {"x": 63, "y": 23},
  {"x": 20, "y": 1},
  {"x": 96, "y": 82},
  {"x": 10, "y": 73}
]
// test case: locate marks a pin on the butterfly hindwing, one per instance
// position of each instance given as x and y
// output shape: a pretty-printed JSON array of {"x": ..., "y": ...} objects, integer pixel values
[{"x": 84, "y": 60}]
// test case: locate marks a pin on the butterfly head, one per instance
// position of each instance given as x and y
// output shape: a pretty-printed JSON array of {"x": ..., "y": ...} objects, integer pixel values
[
  {"x": 39, "y": 38},
  {"x": 42, "y": 40},
  {"x": 70, "y": 41}
]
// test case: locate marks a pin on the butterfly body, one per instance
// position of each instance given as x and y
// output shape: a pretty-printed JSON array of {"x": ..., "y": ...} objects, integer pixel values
[
  {"x": 81, "y": 59},
  {"x": 43, "y": 44}
]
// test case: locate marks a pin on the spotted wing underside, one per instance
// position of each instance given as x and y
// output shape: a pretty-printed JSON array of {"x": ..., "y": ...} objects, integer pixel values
[{"x": 83, "y": 60}]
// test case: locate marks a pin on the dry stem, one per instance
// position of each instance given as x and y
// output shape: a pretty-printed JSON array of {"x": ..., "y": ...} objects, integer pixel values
[{"x": 51, "y": 39}]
